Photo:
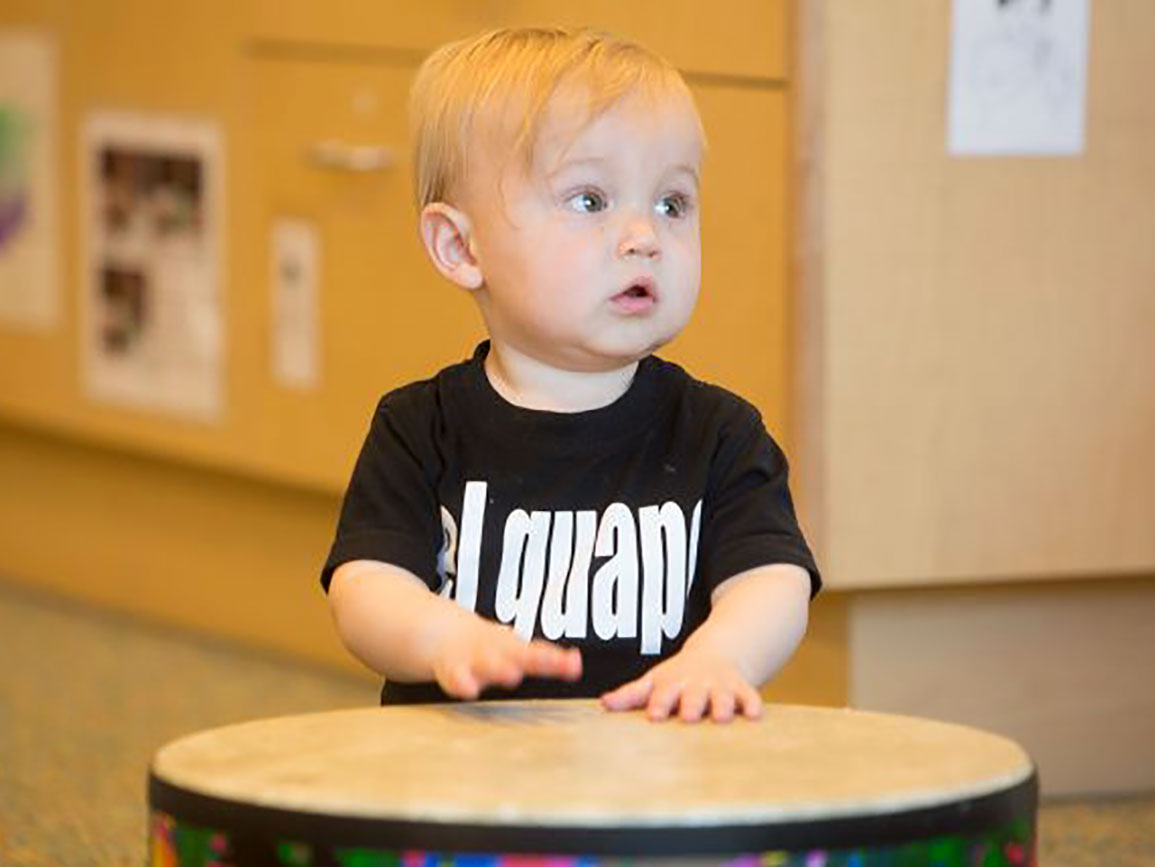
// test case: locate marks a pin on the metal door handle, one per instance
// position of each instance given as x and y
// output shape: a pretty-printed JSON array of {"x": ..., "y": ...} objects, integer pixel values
[{"x": 332, "y": 154}]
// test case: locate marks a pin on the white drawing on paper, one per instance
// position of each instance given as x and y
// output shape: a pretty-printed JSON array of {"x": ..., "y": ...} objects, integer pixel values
[{"x": 1018, "y": 73}]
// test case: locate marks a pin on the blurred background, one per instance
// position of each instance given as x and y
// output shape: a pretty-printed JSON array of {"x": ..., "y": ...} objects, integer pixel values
[{"x": 209, "y": 272}]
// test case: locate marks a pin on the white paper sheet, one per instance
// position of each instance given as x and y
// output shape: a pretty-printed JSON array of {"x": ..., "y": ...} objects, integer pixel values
[
  {"x": 1018, "y": 77},
  {"x": 295, "y": 272}
]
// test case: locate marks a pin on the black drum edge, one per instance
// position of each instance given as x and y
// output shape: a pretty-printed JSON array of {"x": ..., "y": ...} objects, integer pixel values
[{"x": 967, "y": 816}]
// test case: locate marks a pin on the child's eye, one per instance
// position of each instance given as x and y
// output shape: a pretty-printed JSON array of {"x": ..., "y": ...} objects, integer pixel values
[
  {"x": 675, "y": 205},
  {"x": 587, "y": 202}
]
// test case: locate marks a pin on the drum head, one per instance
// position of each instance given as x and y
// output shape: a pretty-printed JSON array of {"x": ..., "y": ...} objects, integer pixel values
[{"x": 567, "y": 776}]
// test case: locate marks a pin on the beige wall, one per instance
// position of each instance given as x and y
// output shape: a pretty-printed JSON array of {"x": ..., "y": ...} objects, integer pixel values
[
  {"x": 976, "y": 406},
  {"x": 976, "y": 334}
]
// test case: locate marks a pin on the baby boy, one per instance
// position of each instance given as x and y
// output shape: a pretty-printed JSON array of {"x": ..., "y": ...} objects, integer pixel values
[{"x": 565, "y": 513}]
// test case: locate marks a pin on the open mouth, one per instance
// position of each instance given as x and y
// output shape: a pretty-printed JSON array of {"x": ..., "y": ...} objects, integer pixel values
[
  {"x": 638, "y": 297},
  {"x": 641, "y": 289}
]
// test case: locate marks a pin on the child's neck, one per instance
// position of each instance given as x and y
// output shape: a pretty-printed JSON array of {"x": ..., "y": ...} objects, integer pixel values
[{"x": 531, "y": 384}]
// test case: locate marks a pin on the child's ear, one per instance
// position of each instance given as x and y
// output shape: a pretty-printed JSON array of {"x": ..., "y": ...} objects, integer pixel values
[{"x": 448, "y": 237}]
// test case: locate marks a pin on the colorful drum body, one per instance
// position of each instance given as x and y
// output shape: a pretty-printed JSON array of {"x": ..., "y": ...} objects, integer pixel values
[{"x": 561, "y": 783}]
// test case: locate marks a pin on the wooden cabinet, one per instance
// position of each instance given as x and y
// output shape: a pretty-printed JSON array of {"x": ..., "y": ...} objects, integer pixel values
[
  {"x": 744, "y": 38},
  {"x": 282, "y": 78},
  {"x": 385, "y": 316}
]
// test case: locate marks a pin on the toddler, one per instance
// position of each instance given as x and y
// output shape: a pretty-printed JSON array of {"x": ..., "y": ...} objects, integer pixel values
[{"x": 565, "y": 513}]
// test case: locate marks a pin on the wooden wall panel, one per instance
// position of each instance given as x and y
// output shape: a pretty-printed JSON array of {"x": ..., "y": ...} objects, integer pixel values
[
  {"x": 1059, "y": 667},
  {"x": 203, "y": 551},
  {"x": 977, "y": 333},
  {"x": 744, "y": 38}
]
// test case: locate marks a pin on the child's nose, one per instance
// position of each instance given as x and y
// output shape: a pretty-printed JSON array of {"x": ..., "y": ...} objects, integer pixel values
[{"x": 639, "y": 239}]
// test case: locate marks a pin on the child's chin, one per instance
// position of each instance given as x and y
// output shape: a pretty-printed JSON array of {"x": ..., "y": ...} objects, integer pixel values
[{"x": 637, "y": 350}]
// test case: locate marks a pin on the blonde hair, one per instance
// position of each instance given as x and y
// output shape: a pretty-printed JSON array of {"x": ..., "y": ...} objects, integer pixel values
[{"x": 476, "y": 82}]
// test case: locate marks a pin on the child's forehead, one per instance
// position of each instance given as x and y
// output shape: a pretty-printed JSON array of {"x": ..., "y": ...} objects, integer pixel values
[
  {"x": 572, "y": 130},
  {"x": 572, "y": 127}
]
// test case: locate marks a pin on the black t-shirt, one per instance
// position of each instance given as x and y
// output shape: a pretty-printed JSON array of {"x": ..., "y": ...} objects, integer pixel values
[{"x": 605, "y": 530}]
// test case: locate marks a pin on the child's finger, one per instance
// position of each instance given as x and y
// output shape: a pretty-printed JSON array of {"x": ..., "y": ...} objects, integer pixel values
[
  {"x": 662, "y": 701},
  {"x": 749, "y": 701},
  {"x": 548, "y": 660},
  {"x": 629, "y": 696},
  {"x": 499, "y": 668},
  {"x": 459, "y": 682},
  {"x": 692, "y": 704},
  {"x": 570, "y": 666},
  {"x": 573, "y": 669},
  {"x": 722, "y": 703}
]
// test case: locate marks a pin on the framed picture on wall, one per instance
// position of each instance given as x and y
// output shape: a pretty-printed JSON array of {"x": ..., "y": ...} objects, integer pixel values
[{"x": 153, "y": 326}]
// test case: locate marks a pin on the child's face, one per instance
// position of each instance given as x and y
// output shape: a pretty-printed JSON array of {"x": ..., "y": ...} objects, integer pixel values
[{"x": 592, "y": 259}]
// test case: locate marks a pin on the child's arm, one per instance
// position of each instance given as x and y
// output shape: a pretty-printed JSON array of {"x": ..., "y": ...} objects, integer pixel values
[
  {"x": 756, "y": 621},
  {"x": 389, "y": 619}
]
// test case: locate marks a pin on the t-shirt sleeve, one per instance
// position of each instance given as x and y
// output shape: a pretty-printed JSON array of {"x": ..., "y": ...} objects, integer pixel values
[
  {"x": 389, "y": 512},
  {"x": 749, "y": 517}
]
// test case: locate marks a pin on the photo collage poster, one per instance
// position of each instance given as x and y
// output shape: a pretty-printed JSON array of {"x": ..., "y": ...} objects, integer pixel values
[{"x": 154, "y": 330}]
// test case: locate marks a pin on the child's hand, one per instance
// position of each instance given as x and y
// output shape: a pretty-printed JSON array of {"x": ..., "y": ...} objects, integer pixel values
[
  {"x": 695, "y": 682},
  {"x": 476, "y": 653}
]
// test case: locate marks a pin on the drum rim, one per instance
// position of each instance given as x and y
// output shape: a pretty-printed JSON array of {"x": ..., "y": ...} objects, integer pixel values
[{"x": 245, "y": 819}]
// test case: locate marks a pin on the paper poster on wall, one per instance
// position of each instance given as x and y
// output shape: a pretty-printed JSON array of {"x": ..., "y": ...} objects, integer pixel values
[
  {"x": 29, "y": 294},
  {"x": 1018, "y": 75},
  {"x": 295, "y": 272},
  {"x": 153, "y": 325}
]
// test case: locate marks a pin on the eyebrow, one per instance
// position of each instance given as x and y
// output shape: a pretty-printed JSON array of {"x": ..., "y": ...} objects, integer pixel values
[
  {"x": 690, "y": 170},
  {"x": 571, "y": 163},
  {"x": 568, "y": 164}
]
